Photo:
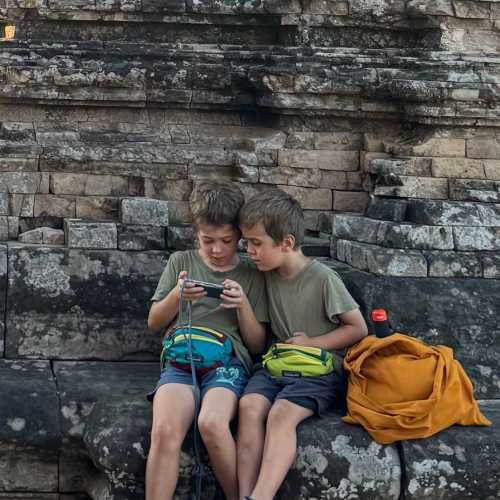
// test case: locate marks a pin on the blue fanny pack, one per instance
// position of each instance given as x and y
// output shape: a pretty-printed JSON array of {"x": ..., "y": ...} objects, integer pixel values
[{"x": 209, "y": 349}]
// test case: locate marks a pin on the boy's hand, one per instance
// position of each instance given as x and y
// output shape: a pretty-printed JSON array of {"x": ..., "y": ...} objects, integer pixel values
[
  {"x": 301, "y": 338},
  {"x": 233, "y": 296},
  {"x": 189, "y": 290}
]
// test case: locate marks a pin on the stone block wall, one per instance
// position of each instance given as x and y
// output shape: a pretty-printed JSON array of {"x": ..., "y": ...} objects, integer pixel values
[
  {"x": 434, "y": 209},
  {"x": 381, "y": 117}
]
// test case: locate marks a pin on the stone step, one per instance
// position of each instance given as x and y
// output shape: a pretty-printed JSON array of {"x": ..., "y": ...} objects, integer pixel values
[
  {"x": 487, "y": 191},
  {"x": 380, "y": 260},
  {"x": 97, "y": 436},
  {"x": 387, "y": 209},
  {"x": 454, "y": 213},
  {"x": 392, "y": 234},
  {"x": 316, "y": 247}
]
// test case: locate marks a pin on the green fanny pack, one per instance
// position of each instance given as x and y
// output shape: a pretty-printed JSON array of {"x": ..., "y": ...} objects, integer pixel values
[{"x": 288, "y": 360}]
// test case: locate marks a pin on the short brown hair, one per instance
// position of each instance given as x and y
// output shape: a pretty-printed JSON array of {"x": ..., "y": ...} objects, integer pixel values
[
  {"x": 279, "y": 213},
  {"x": 216, "y": 203}
]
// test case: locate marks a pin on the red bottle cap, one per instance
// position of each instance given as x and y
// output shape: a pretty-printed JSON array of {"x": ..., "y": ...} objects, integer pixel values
[{"x": 379, "y": 315}]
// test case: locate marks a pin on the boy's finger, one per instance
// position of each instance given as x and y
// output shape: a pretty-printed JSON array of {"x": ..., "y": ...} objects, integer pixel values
[
  {"x": 228, "y": 298},
  {"x": 225, "y": 305}
]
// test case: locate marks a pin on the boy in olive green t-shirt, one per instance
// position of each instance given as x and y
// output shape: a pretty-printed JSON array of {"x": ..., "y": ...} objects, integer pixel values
[
  {"x": 308, "y": 306},
  {"x": 238, "y": 314}
]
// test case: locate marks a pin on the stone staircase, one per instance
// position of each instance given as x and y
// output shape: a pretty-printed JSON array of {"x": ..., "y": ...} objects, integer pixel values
[{"x": 408, "y": 230}]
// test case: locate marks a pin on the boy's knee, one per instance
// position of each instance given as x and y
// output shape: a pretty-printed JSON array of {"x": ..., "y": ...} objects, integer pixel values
[
  {"x": 212, "y": 426},
  {"x": 166, "y": 437},
  {"x": 280, "y": 413},
  {"x": 252, "y": 408}
]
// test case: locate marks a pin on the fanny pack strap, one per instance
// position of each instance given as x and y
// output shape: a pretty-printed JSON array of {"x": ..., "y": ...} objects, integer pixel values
[{"x": 199, "y": 468}]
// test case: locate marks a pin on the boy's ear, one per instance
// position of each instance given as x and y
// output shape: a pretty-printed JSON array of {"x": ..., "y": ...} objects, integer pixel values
[{"x": 288, "y": 242}]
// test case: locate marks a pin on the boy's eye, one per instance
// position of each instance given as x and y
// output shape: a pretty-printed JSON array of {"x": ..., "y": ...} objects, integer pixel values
[{"x": 227, "y": 241}]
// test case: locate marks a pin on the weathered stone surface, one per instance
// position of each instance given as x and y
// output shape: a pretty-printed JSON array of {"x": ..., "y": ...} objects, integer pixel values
[
  {"x": 95, "y": 422},
  {"x": 20, "y": 182},
  {"x": 387, "y": 209},
  {"x": 488, "y": 147},
  {"x": 43, "y": 235},
  {"x": 4, "y": 228},
  {"x": 450, "y": 213},
  {"x": 355, "y": 227},
  {"x": 4, "y": 204},
  {"x": 350, "y": 201},
  {"x": 113, "y": 431},
  {"x": 326, "y": 160},
  {"x": 400, "y": 166},
  {"x": 74, "y": 304},
  {"x": 83, "y": 234},
  {"x": 54, "y": 206},
  {"x": 3, "y": 293},
  {"x": 97, "y": 207},
  {"x": 442, "y": 462},
  {"x": 383, "y": 261},
  {"x": 314, "y": 199},
  {"x": 28, "y": 223},
  {"x": 84, "y": 184},
  {"x": 454, "y": 265},
  {"x": 180, "y": 237},
  {"x": 491, "y": 265},
  {"x": 145, "y": 211},
  {"x": 416, "y": 187},
  {"x": 13, "y": 227},
  {"x": 141, "y": 237},
  {"x": 398, "y": 235},
  {"x": 475, "y": 190},
  {"x": 457, "y": 167},
  {"x": 492, "y": 169},
  {"x": 21, "y": 205},
  {"x": 166, "y": 189},
  {"x": 34, "y": 236},
  {"x": 30, "y": 433},
  {"x": 477, "y": 238},
  {"x": 433, "y": 146}
]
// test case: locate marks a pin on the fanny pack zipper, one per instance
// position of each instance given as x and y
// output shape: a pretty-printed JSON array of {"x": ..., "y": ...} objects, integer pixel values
[{"x": 320, "y": 357}]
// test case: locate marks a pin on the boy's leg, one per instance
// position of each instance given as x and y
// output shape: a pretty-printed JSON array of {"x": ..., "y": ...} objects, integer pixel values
[
  {"x": 217, "y": 410},
  {"x": 221, "y": 388},
  {"x": 280, "y": 447},
  {"x": 173, "y": 412},
  {"x": 253, "y": 411}
]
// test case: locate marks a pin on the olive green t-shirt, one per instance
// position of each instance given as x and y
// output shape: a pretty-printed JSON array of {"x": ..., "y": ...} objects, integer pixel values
[
  {"x": 206, "y": 311},
  {"x": 309, "y": 302}
]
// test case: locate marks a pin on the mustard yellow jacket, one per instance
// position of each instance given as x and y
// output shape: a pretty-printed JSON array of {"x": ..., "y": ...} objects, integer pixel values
[{"x": 401, "y": 388}]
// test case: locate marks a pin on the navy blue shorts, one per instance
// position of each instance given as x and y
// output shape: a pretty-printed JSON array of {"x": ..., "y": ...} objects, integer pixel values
[
  {"x": 317, "y": 394},
  {"x": 232, "y": 376}
]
